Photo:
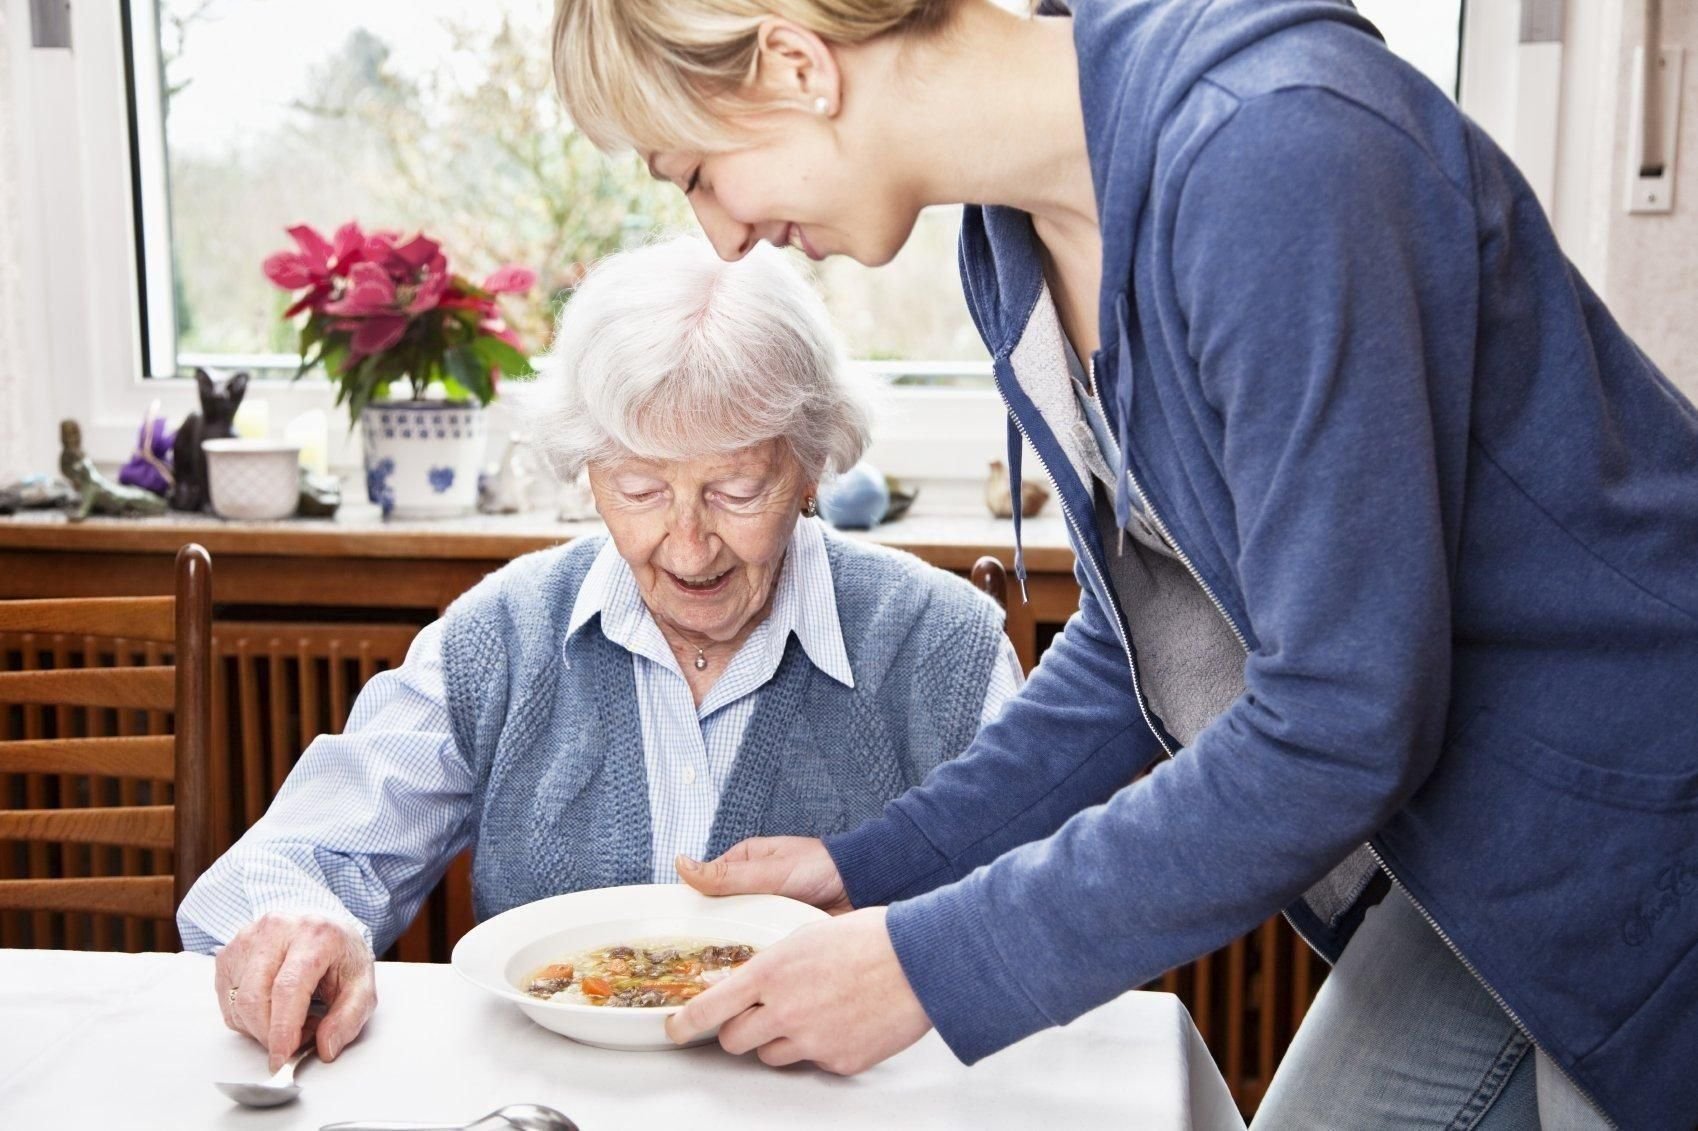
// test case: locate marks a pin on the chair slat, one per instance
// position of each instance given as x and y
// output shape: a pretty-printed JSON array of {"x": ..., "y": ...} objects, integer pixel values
[
  {"x": 152, "y": 688},
  {"x": 147, "y": 896},
  {"x": 149, "y": 756},
  {"x": 137, "y": 826},
  {"x": 145, "y": 618}
]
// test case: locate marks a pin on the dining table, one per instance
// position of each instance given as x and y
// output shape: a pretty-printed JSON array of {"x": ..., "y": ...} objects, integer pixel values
[{"x": 106, "y": 1040}]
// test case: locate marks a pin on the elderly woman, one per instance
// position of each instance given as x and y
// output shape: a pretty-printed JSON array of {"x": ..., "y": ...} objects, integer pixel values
[{"x": 720, "y": 668}]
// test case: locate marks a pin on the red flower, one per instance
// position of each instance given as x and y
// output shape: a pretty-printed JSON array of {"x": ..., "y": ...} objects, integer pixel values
[
  {"x": 510, "y": 279},
  {"x": 370, "y": 291},
  {"x": 375, "y": 335},
  {"x": 366, "y": 290}
]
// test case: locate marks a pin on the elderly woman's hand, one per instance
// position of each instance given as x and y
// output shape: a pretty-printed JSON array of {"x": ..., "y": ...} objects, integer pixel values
[
  {"x": 275, "y": 964},
  {"x": 794, "y": 866},
  {"x": 832, "y": 992}
]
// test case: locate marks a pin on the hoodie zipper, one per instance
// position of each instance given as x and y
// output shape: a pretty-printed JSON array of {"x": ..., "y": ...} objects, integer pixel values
[
  {"x": 1173, "y": 543},
  {"x": 1514, "y": 1018},
  {"x": 1079, "y": 540},
  {"x": 1161, "y": 527}
]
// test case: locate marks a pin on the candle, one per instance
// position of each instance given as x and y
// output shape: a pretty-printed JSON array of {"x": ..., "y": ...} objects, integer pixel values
[
  {"x": 312, "y": 432},
  {"x": 253, "y": 420}
]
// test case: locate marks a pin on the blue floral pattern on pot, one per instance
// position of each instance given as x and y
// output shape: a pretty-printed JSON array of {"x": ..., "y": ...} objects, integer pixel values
[
  {"x": 434, "y": 450},
  {"x": 378, "y": 489}
]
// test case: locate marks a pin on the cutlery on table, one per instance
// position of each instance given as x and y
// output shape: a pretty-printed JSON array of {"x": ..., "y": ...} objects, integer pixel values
[
  {"x": 280, "y": 1089},
  {"x": 513, "y": 1117}
]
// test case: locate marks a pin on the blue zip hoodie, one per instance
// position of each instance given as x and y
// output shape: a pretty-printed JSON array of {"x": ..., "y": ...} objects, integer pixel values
[{"x": 1447, "y": 504}]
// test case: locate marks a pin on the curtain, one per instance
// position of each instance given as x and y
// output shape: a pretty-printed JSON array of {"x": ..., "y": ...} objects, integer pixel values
[{"x": 18, "y": 449}]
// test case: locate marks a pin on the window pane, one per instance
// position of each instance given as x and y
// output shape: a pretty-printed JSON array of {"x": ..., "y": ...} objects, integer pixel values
[
  {"x": 406, "y": 114},
  {"x": 438, "y": 115},
  {"x": 1426, "y": 33}
]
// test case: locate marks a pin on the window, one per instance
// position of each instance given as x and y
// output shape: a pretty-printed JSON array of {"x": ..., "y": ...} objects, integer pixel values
[
  {"x": 417, "y": 114},
  {"x": 440, "y": 115}
]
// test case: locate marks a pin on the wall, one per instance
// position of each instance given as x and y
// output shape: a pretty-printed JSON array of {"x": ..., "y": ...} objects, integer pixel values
[
  {"x": 19, "y": 446},
  {"x": 1650, "y": 262}
]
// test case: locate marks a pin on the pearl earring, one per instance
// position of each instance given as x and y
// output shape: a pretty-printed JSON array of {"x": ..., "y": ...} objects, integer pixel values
[{"x": 821, "y": 105}]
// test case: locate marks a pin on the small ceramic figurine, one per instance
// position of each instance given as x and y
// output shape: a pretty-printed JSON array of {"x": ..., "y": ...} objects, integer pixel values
[
  {"x": 97, "y": 494},
  {"x": 320, "y": 495},
  {"x": 574, "y": 501},
  {"x": 149, "y": 466},
  {"x": 1033, "y": 495},
  {"x": 37, "y": 492},
  {"x": 857, "y": 499},
  {"x": 502, "y": 489},
  {"x": 214, "y": 421}
]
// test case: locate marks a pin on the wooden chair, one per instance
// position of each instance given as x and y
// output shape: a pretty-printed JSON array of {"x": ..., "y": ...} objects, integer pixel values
[
  {"x": 990, "y": 576},
  {"x": 184, "y": 624}
]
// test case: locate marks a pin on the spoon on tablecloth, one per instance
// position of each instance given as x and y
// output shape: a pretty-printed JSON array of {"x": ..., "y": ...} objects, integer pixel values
[
  {"x": 280, "y": 1089},
  {"x": 513, "y": 1117}
]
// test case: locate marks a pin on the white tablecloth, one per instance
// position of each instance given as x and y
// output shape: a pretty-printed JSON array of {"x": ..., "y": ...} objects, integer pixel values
[{"x": 134, "y": 1041}]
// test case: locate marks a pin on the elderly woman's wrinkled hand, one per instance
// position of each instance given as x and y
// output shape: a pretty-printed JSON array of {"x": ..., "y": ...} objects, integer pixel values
[
  {"x": 795, "y": 866},
  {"x": 267, "y": 976},
  {"x": 832, "y": 993}
]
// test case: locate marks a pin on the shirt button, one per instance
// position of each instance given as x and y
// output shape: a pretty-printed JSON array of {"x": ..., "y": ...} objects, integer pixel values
[{"x": 689, "y": 775}]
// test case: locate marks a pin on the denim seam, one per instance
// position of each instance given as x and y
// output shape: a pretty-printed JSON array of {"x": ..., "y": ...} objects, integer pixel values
[{"x": 1514, "y": 1048}]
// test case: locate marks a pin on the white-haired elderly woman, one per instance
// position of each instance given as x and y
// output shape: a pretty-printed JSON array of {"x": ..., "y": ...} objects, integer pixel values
[{"x": 722, "y": 667}]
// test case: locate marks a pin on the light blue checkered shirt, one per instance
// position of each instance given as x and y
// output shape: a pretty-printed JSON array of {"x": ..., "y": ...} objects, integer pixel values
[{"x": 369, "y": 819}]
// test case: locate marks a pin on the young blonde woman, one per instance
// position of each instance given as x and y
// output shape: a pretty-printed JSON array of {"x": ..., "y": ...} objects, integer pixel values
[{"x": 1386, "y": 530}]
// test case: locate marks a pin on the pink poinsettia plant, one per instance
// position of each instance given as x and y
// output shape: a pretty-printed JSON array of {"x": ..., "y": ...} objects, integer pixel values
[{"x": 380, "y": 310}]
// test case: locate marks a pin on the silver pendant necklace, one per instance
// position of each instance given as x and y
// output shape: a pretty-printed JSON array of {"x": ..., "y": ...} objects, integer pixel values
[{"x": 701, "y": 660}]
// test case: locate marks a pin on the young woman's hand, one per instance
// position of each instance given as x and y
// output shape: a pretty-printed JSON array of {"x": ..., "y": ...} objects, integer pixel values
[
  {"x": 832, "y": 993},
  {"x": 794, "y": 866},
  {"x": 267, "y": 975}
]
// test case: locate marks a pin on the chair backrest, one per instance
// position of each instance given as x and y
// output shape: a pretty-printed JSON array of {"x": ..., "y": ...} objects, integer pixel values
[
  {"x": 989, "y": 575},
  {"x": 183, "y": 688}
]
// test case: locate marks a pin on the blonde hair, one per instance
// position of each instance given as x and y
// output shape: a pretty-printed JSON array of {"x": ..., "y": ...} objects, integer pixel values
[
  {"x": 654, "y": 75},
  {"x": 668, "y": 352}
]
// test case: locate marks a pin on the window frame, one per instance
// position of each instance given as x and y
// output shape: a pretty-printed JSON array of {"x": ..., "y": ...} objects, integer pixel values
[{"x": 91, "y": 192}]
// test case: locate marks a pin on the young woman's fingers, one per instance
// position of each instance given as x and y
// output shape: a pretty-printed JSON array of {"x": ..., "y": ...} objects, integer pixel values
[{"x": 716, "y": 1006}]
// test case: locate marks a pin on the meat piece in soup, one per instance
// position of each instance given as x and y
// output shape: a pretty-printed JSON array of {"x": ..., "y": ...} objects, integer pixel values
[{"x": 640, "y": 975}]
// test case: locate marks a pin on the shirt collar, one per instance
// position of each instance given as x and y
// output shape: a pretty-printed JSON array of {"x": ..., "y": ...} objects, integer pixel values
[{"x": 805, "y": 604}]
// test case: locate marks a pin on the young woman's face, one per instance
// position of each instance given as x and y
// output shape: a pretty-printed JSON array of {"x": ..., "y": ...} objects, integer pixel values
[{"x": 799, "y": 184}]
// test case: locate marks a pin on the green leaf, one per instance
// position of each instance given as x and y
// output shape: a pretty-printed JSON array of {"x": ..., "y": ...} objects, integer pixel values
[
  {"x": 463, "y": 368},
  {"x": 497, "y": 354}
]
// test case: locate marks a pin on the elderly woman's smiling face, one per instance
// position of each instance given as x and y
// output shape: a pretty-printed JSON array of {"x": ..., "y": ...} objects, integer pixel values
[{"x": 705, "y": 537}]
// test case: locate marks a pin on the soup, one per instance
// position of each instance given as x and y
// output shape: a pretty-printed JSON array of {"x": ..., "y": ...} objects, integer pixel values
[{"x": 641, "y": 974}]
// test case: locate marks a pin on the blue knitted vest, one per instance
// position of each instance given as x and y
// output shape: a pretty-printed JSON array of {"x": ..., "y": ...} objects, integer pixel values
[{"x": 551, "y": 727}]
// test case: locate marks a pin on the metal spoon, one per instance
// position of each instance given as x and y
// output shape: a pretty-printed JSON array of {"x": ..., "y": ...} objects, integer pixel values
[
  {"x": 522, "y": 1117},
  {"x": 280, "y": 1089}
]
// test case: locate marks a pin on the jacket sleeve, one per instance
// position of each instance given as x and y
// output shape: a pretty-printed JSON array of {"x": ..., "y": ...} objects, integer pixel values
[
  {"x": 1318, "y": 252},
  {"x": 1007, "y": 789}
]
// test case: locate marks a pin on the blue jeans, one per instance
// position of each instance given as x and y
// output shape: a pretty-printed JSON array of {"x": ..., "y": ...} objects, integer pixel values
[{"x": 1402, "y": 1035}]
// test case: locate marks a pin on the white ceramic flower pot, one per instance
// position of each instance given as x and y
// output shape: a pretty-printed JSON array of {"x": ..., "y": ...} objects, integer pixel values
[
  {"x": 422, "y": 457},
  {"x": 253, "y": 479}
]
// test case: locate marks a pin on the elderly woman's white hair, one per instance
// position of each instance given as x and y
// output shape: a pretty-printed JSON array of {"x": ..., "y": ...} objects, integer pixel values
[{"x": 669, "y": 352}]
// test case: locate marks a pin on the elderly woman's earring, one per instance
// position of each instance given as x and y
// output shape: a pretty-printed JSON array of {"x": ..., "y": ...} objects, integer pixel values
[
  {"x": 810, "y": 507},
  {"x": 821, "y": 105}
]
